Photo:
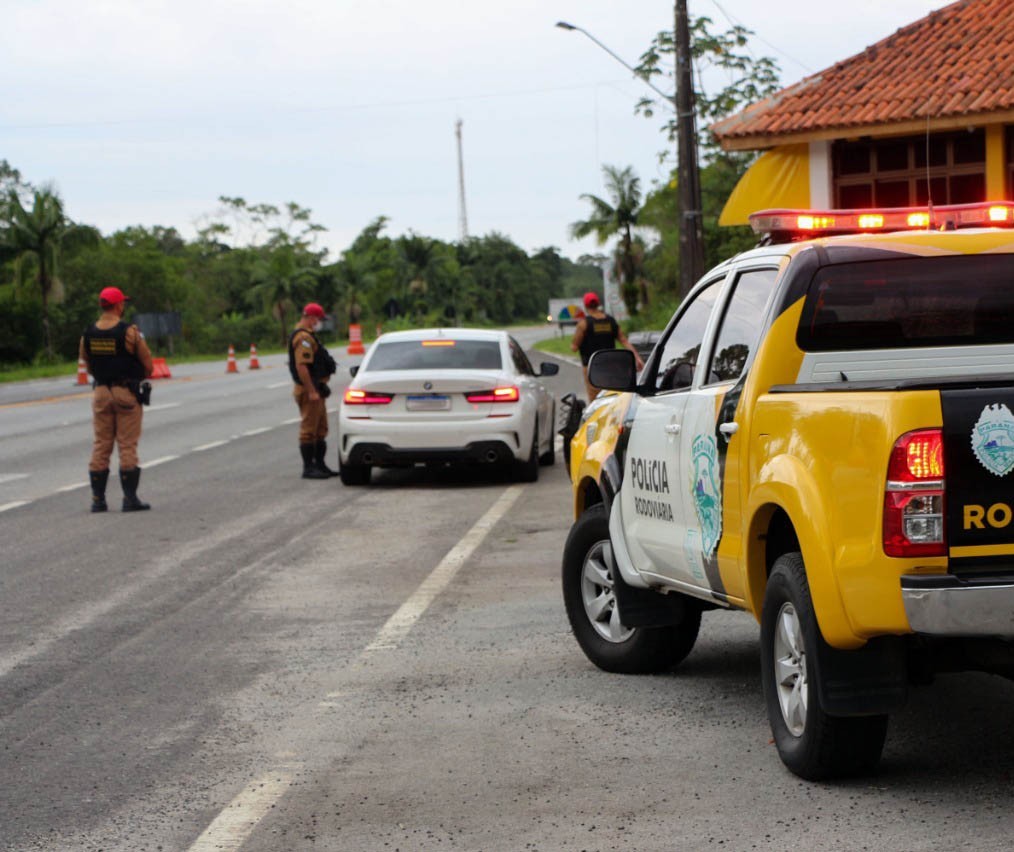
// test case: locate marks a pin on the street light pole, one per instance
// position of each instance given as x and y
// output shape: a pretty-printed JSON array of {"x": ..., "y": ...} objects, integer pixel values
[{"x": 691, "y": 238}]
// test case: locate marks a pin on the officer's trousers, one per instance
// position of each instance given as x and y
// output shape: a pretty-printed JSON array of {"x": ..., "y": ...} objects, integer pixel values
[
  {"x": 312, "y": 417},
  {"x": 116, "y": 415}
]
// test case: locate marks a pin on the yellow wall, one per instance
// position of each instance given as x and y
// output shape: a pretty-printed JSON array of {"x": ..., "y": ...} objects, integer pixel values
[{"x": 779, "y": 178}]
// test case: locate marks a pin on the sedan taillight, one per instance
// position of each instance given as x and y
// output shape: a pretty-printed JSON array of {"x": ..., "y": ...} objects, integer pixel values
[
  {"x": 363, "y": 397},
  {"x": 504, "y": 394}
]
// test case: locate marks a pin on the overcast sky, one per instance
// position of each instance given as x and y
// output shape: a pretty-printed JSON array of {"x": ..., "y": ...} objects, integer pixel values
[{"x": 144, "y": 112}]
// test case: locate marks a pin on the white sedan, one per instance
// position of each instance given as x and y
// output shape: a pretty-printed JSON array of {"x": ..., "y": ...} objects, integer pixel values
[{"x": 446, "y": 395}]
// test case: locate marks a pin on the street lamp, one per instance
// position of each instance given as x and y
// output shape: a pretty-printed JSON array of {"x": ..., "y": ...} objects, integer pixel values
[
  {"x": 689, "y": 226},
  {"x": 669, "y": 99}
]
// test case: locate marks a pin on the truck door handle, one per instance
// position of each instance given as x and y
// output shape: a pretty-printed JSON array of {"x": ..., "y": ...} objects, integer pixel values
[
  {"x": 673, "y": 428},
  {"x": 728, "y": 429}
]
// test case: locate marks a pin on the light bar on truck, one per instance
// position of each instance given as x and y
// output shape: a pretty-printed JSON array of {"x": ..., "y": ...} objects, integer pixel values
[{"x": 803, "y": 224}]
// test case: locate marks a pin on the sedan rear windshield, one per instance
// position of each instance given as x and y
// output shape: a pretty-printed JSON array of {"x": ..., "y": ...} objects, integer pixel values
[
  {"x": 440, "y": 354},
  {"x": 910, "y": 302}
]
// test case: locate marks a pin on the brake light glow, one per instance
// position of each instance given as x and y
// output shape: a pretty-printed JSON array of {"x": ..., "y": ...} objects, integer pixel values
[
  {"x": 362, "y": 397},
  {"x": 504, "y": 394},
  {"x": 914, "y": 496},
  {"x": 795, "y": 224},
  {"x": 439, "y": 342}
]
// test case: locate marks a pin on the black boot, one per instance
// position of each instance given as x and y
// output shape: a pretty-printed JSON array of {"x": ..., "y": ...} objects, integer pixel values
[
  {"x": 310, "y": 469},
  {"x": 128, "y": 482},
  {"x": 99, "y": 478},
  {"x": 320, "y": 458}
]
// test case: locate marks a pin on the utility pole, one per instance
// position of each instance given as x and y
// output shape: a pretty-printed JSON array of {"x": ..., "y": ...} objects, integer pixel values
[
  {"x": 462, "y": 215},
  {"x": 691, "y": 235}
]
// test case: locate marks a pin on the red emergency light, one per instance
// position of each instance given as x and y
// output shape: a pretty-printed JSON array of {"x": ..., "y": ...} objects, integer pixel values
[{"x": 785, "y": 225}]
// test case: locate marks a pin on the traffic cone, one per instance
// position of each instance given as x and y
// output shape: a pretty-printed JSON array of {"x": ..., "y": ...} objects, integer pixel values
[
  {"x": 230, "y": 365},
  {"x": 159, "y": 369},
  {"x": 82, "y": 372},
  {"x": 254, "y": 363},
  {"x": 356, "y": 340}
]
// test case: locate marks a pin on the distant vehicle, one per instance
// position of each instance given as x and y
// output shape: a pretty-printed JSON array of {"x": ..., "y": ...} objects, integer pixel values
[
  {"x": 446, "y": 395},
  {"x": 644, "y": 342}
]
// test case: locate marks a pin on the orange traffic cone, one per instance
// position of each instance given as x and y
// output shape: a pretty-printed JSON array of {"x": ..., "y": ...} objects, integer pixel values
[
  {"x": 159, "y": 369},
  {"x": 356, "y": 340},
  {"x": 230, "y": 365},
  {"x": 254, "y": 363},
  {"x": 82, "y": 372}
]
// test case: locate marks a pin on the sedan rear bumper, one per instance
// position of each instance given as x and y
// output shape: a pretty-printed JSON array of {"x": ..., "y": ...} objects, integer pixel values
[{"x": 384, "y": 455}]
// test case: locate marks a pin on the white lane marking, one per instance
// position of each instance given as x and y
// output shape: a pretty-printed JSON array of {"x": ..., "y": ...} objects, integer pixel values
[
  {"x": 278, "y": 385},
  {"x": 210, "y": 446},
  {"x": 7, "y": 506},
  {"x": 236, "y": 822},
  {"x": 399, "y": 624},
  {"x": 156, "y": 462},
  {"x": 73, "y": 487},
  {"x": 11, "y": 477},
  {"x": 233, "y": 826},
  {"x": 291, "y": 420},
  {"x": 260, "y": 431},
  {"x": 332, "y": 410},
  {"x": 164, "y": 406}
]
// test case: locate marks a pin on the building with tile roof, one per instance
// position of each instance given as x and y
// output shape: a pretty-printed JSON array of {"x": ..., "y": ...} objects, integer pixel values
[{"x": 931, "y": 107}]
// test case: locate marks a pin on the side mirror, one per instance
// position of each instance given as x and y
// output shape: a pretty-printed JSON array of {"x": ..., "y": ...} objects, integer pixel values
[
  {"x": 354, "y": 370},
  {"x": 613, "y": 369},
  {"x": 548, "y": 368}
]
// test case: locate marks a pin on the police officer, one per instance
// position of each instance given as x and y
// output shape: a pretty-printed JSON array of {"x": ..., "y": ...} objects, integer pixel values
[
  {"x": 598, "y": 330},
  {"x": 311, "y": 366},
  {"x": 118, "y": 359}
]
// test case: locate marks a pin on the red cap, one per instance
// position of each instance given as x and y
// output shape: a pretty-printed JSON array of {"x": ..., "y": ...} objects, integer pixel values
[
  {"x": 590, "y": 300},
  {"x": 112, "y": 296},
  {"x": 313, "y": 310}
]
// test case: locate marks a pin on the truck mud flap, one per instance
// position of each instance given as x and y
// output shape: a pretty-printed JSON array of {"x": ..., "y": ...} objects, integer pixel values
[{"x": 869, "y": 681}]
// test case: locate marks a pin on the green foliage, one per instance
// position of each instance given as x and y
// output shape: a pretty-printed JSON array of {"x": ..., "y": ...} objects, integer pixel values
[
  {"x": 750, "y": 79},
  {"x": 247, "y": 273}
]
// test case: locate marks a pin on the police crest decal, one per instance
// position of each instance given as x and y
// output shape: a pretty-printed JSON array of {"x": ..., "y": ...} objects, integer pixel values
[
  {"x": 707, "y": 491},
  {"x": 993, "y": 439}
]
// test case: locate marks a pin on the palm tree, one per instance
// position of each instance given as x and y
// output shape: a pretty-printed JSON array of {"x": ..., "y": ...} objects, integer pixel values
[
  {"x": 281, "y": 278},
  {"x": 619, "y": 217},
  {"x": 39, "y": 233}
]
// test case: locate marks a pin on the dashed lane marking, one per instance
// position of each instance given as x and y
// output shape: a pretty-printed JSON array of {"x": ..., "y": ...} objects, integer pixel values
[
  {"x": 156, "y": 462},
  {"x": 234, "y": 825},
  {"x": 231, "y": 828},
  {"x": 277, "y": 385},
  {"x": 291, "y": 420},
  {"x": 6, "y": 506},
  {"x": 11, "y": 477},
  {"x": 73, "y": 487},
  {"x": 164, "y": 406},
  {"x": 211, "y": 446},
  {"x": 251, "y": 432},
  {"x": 399, "y": 624}
]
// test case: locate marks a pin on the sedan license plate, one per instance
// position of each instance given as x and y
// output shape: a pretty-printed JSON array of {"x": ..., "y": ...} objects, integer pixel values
[{"x": 428, "y": 402}]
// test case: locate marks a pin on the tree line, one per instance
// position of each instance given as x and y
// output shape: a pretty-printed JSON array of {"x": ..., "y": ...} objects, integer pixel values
[{"x": 244, "y": 276}]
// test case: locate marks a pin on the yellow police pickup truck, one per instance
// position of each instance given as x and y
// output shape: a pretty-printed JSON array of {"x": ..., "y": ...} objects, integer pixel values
[{"x": 824, "y": 438}]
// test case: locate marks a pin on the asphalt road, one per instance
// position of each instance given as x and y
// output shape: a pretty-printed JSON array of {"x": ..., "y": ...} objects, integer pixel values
[{"x": 265, "y": 663}]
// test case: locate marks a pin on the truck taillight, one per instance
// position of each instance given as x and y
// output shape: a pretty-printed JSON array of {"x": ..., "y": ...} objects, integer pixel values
[{"x": 914, "y": 496}]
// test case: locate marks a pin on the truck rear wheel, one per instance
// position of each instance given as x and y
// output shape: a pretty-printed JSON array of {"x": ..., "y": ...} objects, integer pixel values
[
  {"x": 811, "y": 743},
  {"x": 588, "y": 595}
]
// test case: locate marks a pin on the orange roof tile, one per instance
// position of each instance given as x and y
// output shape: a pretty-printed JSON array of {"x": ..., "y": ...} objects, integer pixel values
[{"x": 956, "y": 61}]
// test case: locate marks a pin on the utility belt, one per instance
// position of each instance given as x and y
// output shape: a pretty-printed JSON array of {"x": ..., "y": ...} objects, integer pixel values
[
  {"x": 140, "y": 389},
  {"x": 322, "y": 388}
]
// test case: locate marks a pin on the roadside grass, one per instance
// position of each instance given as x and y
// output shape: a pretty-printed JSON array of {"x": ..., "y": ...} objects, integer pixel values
[{"x": 555, "y": 346}]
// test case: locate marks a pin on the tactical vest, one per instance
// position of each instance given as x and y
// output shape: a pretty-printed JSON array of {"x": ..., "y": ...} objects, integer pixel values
[
  {"x": 108, "y": 358},
  {"x": 599, "y": 334},
  {"x": 323, "y": 364}
]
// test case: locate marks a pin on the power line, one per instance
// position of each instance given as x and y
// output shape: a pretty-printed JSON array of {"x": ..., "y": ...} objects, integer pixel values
[
  {"x": 452, "y": 99},
  {"x": 736, "y": 23}
]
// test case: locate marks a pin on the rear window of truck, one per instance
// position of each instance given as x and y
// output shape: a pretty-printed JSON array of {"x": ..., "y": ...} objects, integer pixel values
[{"x": 910, "y": 302}]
